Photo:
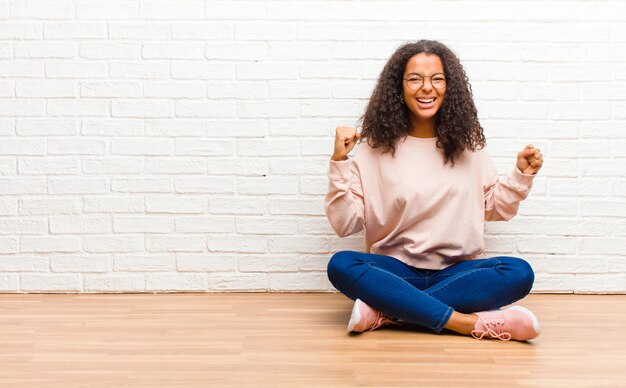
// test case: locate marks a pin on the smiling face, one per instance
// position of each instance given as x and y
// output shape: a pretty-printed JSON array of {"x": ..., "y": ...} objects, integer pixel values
[{"x": 425, "y": 65}]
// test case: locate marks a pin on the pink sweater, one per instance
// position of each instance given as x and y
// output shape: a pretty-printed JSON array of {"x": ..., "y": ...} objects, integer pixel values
[{"x": 417, "y": 210}]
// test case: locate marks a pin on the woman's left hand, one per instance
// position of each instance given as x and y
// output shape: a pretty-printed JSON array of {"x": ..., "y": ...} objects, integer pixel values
[{"x": 529, "y": 160}]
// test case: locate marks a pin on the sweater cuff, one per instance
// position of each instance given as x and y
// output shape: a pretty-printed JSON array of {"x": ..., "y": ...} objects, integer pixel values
[
  {"x": 523, "y": 182},
  {"x": 339, "y": 169}
]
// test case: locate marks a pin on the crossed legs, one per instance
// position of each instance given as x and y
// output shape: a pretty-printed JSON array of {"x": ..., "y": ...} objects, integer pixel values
[{"x": 431, "y": 298}]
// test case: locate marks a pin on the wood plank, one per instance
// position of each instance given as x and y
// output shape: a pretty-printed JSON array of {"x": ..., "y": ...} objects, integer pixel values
[{"x": 292, "y": 340}]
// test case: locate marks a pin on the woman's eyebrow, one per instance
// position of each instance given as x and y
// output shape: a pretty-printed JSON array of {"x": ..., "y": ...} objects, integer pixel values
[{"x": 438, "y": 72}]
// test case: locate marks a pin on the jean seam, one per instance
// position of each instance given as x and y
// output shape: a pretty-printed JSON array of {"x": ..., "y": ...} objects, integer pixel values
[
  {"x": 417, "y": 275},
  {"x": 467, "y": 272},
  {"x": 441, "y": 323},
  {"x": 386, "y": 272},
  {"x": 454, "y": 281},
  {"x": 478, "y": 264}
]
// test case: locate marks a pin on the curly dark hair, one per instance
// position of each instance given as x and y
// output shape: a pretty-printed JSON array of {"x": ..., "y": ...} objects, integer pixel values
[{"x": 386, "y": 118}]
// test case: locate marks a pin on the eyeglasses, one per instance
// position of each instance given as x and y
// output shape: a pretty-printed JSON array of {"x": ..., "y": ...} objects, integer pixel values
[{"x": 415, "y": 81}]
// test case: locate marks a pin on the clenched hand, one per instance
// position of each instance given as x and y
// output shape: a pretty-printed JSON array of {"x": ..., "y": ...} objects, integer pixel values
[{"x": 529, "y": 160}]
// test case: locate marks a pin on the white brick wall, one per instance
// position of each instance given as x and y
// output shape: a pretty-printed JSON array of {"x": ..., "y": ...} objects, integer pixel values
[{"x": 174, "y": 145}]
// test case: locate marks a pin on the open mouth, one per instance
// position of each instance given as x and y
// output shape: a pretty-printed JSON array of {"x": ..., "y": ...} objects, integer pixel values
[{"x": 425, "y": 103}]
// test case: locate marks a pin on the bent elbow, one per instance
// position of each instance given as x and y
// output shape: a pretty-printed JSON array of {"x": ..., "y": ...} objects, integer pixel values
[
  {"x": 341, "y": 230},
  {"x": 341, "y": 233},
  {"x": 346, "y": 227}
]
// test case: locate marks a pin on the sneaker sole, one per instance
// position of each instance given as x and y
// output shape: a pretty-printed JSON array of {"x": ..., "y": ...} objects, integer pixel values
[
  {"x": 536, "y": 326},
  {"x": 356, "y": 315}
]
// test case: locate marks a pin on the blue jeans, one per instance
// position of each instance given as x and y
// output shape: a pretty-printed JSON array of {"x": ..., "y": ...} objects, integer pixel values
[{"x": 428, "y": 297}]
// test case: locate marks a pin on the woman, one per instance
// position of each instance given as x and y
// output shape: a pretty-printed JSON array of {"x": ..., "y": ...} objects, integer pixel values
[{"x": 422, "y": 186}]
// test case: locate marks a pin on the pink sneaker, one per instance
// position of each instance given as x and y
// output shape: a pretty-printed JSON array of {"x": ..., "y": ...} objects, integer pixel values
[
  {"x": 516, "y": 323},
  {"x": 365, "y": 318}
]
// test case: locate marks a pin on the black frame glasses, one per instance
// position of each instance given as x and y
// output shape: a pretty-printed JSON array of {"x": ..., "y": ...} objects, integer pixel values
[{"x": 413, "y": 76}]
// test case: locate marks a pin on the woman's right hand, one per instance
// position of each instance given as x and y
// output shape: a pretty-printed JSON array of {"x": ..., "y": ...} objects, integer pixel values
[{"x": 345, "y": 140}]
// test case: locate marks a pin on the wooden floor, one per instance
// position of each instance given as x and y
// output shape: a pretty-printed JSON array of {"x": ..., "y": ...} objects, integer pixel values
[{"x": 293, "y": 340}]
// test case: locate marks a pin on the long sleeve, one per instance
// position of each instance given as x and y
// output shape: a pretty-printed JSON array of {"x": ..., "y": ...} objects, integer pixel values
[
  {"x": 344, "y": 204},
  {"x": 503, "y": 196}
]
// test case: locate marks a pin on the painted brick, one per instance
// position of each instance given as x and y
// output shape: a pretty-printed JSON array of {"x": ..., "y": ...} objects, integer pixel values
[{"x": 164, "y": 145}]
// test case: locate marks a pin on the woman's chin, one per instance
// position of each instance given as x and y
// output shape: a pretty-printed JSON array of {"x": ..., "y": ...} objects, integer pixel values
[{"x": 425, "y": 115}]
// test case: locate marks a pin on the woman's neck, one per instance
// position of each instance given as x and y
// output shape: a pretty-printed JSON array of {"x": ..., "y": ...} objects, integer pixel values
[{"x": 423, "y": 128}]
